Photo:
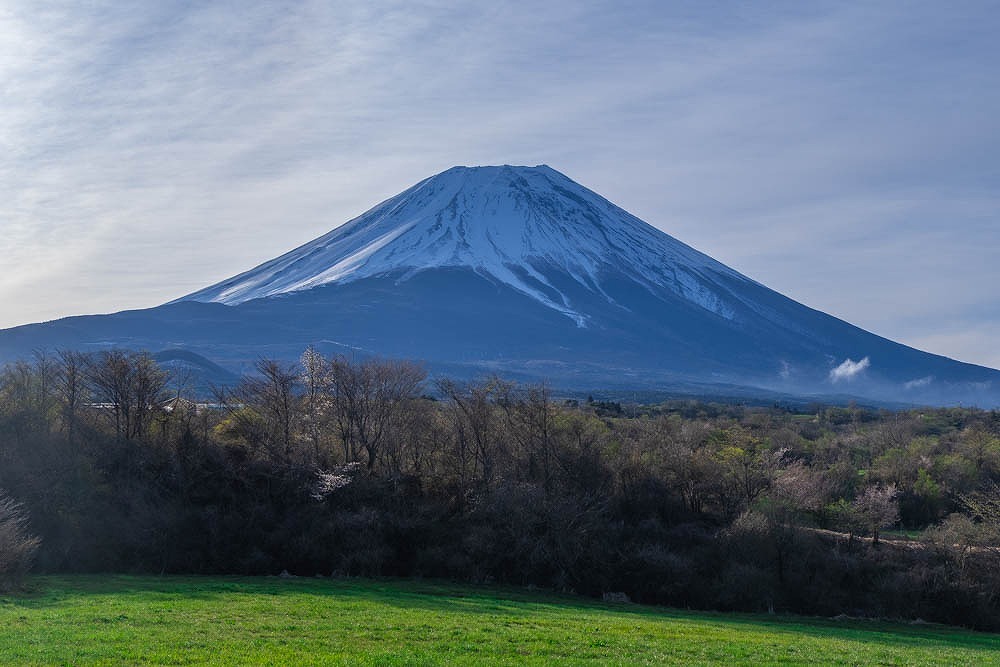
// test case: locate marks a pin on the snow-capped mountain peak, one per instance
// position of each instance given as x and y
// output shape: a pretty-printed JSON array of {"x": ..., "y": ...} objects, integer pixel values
[{"x": 526, "y": 227}]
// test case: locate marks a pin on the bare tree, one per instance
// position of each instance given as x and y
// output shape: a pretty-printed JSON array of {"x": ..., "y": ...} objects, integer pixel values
[
  {"x": 262, "y": 408},
  {"x": 316, "y": 382},
  {"x": 368, "y": 397},
  {"x": 17, "y": 544},
  {"x": 46, "y": 372},
  {"x": 130, "y": 387},
  {"x": 478, "y": 427},
  {"x": 876, "y": 508},
  {"x": 796, "y": 491},
  {"x": 420, "y": 436},
  {"x": 530, "y": 413},
  {"x": 71, "y": 389},
  {"x": 801, "y": 489}
]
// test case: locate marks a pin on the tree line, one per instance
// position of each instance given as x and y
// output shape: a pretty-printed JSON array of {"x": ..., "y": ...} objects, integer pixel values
[{"x": 343, "y": 466}]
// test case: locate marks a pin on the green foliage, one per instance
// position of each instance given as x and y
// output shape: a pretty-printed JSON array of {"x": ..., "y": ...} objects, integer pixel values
[
  {"x": 984, "y": 505},
  {"x": 337, "y": 466},
  {"x": 841, "y": 515},
  {"x": 926, "y": 487}
]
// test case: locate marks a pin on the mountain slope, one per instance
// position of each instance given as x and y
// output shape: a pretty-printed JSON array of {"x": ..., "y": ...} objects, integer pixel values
[
  {"x": 523, "y": 271},
  {"x": 528, "y": 228}
]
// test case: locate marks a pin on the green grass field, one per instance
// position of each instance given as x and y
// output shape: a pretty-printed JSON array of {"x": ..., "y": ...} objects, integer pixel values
[{"x": 220, "y": 620}]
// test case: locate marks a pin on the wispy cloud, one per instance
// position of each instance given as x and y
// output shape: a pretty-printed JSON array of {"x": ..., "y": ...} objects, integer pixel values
[
  {"x": 849, "y": 369},
  {"x": 919, "y": 383},
  {"x": 824, "y": 149}
]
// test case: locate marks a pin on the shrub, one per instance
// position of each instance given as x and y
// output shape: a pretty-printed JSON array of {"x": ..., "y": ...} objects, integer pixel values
[{"x": 17, "y": 545}]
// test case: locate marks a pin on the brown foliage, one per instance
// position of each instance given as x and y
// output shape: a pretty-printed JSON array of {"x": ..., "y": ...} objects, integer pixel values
[{"x": 17, "y": 545}]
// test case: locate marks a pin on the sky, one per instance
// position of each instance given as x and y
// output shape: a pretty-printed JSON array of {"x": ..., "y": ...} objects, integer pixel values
[{"x": 844, "y": 154}]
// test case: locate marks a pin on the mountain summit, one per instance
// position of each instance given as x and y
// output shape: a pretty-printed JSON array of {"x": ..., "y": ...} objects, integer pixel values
[
  {"x": 529, "y": 228},
  {"x": 524, "y": 272}
]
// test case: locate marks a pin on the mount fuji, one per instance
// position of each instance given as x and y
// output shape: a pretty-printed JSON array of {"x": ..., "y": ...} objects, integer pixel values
[{"x": 524, "y": 272}]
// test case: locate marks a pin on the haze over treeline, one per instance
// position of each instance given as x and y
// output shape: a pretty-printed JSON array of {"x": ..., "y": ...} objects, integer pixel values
[{"x": 335, "y": 466}]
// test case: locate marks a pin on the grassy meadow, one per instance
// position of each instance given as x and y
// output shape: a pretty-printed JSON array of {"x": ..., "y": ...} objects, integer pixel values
[{"x": 229, "y": 620}]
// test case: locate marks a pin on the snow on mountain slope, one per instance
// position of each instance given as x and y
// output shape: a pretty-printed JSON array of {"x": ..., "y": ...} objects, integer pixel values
[{"x": 526, "y": 227}]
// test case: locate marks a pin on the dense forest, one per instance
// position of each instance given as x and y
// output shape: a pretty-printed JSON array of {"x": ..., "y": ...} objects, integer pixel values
[{"x": 333, "y": 466}]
